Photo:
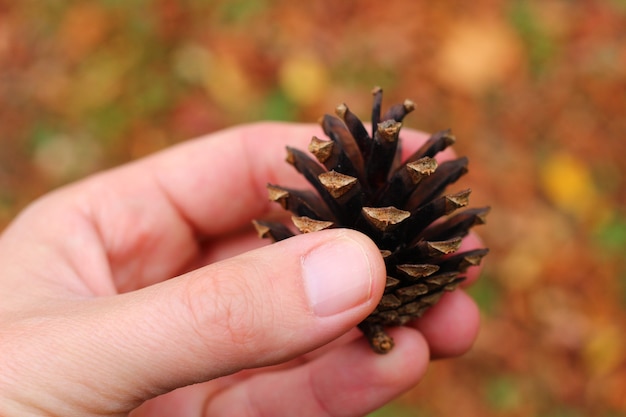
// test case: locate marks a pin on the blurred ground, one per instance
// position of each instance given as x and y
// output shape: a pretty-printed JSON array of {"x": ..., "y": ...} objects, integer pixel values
[{"x": 534, "y": 91}]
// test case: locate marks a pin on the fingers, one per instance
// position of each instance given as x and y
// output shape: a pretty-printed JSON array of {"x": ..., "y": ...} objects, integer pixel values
[
  {"x": 147, "y": 218},
  {"x": 261, "y": 308},
  {"x": 234, "y": 166},
  {"x": 218, "y": 182},
  {"x": 343, "y": 378},
  {"x": 348, "y": 381},
  {"x": 470, "y": 242},
  {"x": 451, "y": 326}
]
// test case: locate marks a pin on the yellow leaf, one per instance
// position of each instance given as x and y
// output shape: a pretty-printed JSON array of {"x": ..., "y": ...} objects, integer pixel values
[
  {"x": 228, "y": 83},
  {"x": 567, "y": 182},
  {"x": 303, "y": 78},
  {"x": 604, "y": 350}
]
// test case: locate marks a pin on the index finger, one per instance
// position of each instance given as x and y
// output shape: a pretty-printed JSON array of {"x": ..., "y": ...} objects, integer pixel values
[{"x": 219, "y": 182}]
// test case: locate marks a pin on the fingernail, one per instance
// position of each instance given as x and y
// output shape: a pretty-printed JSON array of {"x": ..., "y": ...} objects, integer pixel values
[{"x": 337, "y": 276}]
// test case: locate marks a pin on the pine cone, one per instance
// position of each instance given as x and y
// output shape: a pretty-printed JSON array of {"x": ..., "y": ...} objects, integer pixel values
[{"x": 360, "y": 183}]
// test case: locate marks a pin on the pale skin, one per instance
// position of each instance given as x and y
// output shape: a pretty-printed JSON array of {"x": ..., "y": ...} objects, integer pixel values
[{"x": 144, "y": 291}]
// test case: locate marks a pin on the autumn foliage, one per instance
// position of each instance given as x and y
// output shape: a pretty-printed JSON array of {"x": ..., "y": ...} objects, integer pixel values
[{"x": 534, "y": 91}]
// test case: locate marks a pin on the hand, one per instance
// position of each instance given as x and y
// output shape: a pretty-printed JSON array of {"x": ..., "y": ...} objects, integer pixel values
[{"x": 91, "y": 324}]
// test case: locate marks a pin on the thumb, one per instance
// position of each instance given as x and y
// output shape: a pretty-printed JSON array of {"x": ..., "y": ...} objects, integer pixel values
[{"x": 260, "y": 308}]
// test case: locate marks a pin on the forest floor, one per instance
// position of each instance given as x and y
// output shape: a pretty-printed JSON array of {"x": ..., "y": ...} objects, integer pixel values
[{"x": 535, "y": 93}]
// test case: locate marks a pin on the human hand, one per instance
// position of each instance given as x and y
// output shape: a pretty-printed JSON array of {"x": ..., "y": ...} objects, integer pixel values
[{"x": 91, "y": 324}]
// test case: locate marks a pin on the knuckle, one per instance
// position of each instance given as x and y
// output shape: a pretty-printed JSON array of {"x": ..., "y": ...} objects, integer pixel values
[{"x": 223, "y": 310}]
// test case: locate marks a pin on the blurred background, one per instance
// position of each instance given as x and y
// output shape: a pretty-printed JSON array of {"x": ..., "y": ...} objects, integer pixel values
[{"x": 535, "y": 92}]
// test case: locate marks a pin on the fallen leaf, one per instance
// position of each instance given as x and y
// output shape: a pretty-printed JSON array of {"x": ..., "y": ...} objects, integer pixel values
[
  {"x": 303, "y": 78},
  {"x": 477, "y": 54}
]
